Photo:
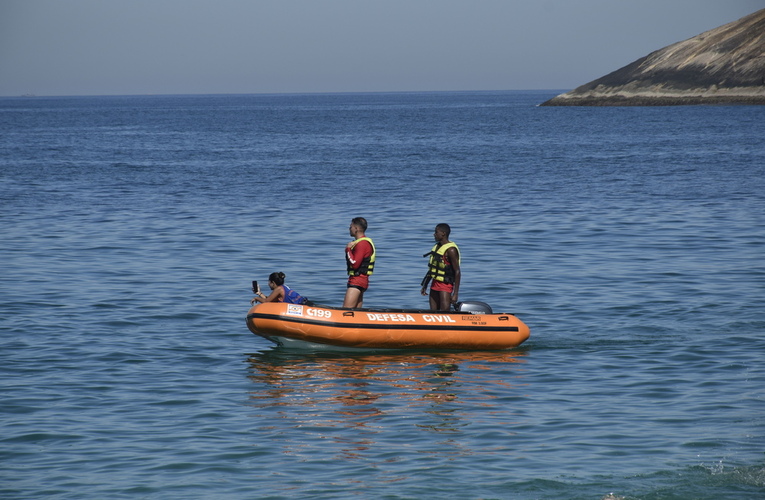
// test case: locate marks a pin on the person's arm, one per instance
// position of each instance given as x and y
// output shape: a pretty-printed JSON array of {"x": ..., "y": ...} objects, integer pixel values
[
  {"x": 356, "y": 254},
  {"x": 425, "y": 281},
  {"x": 454, "y": 259},
  {"x": 274, "y": 296}
]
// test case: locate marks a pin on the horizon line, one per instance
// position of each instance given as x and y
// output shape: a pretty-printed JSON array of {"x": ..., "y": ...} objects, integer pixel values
[{"x": 32, "y": 95}]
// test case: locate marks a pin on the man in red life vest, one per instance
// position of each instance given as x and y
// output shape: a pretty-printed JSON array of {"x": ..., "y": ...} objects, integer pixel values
[
  {"x": 443, "y": 270},
  {"x": 360, "y": 260}
]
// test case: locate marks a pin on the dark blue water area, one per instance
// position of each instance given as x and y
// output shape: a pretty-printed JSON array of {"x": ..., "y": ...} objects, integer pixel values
[{"x": 630, "y": 240}]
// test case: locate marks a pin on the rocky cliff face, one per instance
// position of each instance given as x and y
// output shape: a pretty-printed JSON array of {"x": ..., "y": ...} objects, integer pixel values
[{"x": 725, "y": 65}]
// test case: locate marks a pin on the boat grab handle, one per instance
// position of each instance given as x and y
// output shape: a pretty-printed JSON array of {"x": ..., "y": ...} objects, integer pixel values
[{"x": 348, "y": 313}]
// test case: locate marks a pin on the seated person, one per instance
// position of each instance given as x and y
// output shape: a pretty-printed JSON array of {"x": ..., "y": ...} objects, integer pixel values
[{"x": 280, "y": 292}]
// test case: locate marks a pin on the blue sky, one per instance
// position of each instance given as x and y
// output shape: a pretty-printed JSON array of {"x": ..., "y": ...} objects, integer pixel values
[{"x": 110, "y": 47}]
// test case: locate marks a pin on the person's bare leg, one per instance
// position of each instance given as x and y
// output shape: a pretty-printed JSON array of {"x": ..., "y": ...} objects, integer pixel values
[
  {"x": 432, "y": 301},
  {"x": 353, "y": 298},
  {"x": 446, "y": 301}
]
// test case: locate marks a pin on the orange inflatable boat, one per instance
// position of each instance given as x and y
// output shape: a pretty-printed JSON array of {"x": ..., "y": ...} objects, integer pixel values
[{"x": 315, "y": 326}]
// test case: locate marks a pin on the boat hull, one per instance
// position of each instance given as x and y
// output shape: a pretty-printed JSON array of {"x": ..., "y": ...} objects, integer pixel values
[{"x": 294, "y": 325}]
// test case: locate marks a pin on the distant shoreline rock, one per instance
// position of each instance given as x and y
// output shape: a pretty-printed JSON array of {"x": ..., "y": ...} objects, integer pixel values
[{"x": 725, "y": 65}]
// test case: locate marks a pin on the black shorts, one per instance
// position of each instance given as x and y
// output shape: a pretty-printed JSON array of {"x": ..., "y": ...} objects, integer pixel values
[{"x": 357, "y": 287}]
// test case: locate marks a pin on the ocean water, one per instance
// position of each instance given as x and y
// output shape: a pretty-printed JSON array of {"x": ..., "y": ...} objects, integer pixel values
[{"x": 630, "y": 240}]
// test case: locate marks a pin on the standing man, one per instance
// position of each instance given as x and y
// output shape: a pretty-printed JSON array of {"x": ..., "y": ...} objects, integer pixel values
[
  {"x": 360, "y": 260},
  {"x": 443, "y": 270}
]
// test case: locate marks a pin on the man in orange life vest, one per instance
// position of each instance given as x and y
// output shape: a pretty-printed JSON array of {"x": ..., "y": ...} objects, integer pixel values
[
  {"x": 443, "y": 270},
  {"x": 360, "y": 260}
]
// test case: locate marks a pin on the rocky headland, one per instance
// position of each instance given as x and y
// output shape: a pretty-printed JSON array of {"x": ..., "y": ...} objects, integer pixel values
[{"x": 725, "y": 65}]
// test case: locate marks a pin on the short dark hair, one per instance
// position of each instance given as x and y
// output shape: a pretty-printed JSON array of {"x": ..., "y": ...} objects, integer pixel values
[
  {"x": 445, "y": 228},
  {"x": 361, "y": 222}
]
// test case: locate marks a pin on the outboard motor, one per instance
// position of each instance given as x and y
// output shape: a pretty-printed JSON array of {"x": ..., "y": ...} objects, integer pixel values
[{"x": 474, "y": 307}]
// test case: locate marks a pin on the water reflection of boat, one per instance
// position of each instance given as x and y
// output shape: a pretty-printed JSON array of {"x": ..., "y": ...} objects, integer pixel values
[
  {"x": 357, "y": 389},
  {"x": 361, "y": 378},
  {"x": 315, "y": 326}
]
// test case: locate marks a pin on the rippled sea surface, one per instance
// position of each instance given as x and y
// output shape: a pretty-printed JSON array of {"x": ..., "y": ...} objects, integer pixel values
[{"x": 630, "y": 240}]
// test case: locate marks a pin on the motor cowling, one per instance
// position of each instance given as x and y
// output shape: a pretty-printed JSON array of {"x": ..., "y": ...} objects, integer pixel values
[{"x": 474, "y": 307}]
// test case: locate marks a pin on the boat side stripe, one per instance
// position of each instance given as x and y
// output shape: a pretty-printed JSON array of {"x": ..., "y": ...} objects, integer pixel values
[{"x": 382, "y": 326}]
